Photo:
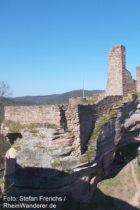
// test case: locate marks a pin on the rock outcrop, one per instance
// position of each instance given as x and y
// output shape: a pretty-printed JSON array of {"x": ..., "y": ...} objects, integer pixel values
[{"x": 44, "y": 161}]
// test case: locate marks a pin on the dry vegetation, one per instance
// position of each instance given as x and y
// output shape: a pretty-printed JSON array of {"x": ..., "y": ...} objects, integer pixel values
[{"x": 122, "y": 186}]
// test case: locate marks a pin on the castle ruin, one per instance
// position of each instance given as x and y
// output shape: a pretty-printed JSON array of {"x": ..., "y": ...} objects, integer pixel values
[
  {"x": 80, "y": 119},
  {"x": 70, "y": 159},
  {"x": 119, "y": 79}
]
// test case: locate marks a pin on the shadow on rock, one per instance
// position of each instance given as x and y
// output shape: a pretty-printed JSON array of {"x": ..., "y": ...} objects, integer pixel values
[{"x": 33, "y": 186}]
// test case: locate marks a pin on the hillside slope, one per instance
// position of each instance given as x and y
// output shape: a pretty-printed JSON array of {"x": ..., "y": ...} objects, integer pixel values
[{"x": 53, "y": 99}]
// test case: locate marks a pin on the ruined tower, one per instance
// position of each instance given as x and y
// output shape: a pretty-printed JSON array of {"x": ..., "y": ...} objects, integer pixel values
[
  {"x": 138, "y": 79},
  {"x": 120, "y": 81},
  {"x": 116, "y": 64}
]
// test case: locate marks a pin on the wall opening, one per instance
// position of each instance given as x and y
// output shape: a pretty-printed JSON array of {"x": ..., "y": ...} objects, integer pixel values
[{"x": 13, "y": 137}]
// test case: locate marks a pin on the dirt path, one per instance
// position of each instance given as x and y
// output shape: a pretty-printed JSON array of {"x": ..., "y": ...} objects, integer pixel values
[{"x": 135, "y": 200}]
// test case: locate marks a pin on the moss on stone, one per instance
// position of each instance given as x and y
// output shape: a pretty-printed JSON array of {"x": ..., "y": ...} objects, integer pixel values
[
  {"x": 35, "y": 125},
  {"x": 116, "y": 102},
  {"x": 34, "y": 132},
  {"x": 113, "y": 113},
  {"x": 57, "y": 163},
  {"x": 4, "y": 146},
  {"x": 88, "y": 101},
  {"x": 84, "y": 158},
  {"x": 101, "y": 121},
  {"x": 137, "y": 170},
  {"x": 42, "y": 136},
  {"x": 36, "y": 165},
  {"x": 1, "y": 180},
  {"x": 14, "y": 127},
  {"x": 94, "y": 135},
  {"x": 128, "y": 97},
  {"x": 17, "y": 147},
  {"x": 113, "y": 182},
  {"x": 39, "y": 147},
  {"x": 68, "y": 171},
  {"x": 88, "y": 155},
  {"x": 51, "y": 149},
  {"x": 98, "y": 125}
]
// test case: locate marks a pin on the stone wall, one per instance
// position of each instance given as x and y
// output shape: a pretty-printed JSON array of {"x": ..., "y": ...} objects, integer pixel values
[
  {"x": 85, "y": 100},
  {"x": 1, "y": 113},
  {"x": 87, "y": 118},
  {"x": 77, "y": 100},
  {"x": 120, "y": 81},
  {"x": 33, "y": 114},
  {"x": 116, "y": 65},
  {"x": 25, "y": 177},
  {"x": 138, "y": 79},
  {"x": 72, "y": 122},
  {"x": 79, "y": 120},
  {"x": 118, "y": 132},
  {"x": 106, "y": 104},
  {"x": 129, "y": 85}
]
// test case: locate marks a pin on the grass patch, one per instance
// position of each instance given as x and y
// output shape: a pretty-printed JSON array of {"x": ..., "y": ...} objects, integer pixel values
[
  {"x": 101, "y": 121},
  {"x": 93, "y": 137},
  {"x": 84, "y": 158},
  {"x": 99, "y": 124},
  {"x": 116, "y": 102},
  {"x": 138, "y": 94},
  {"x": 36, "y": 125},
  {"x": 137, "y": 169},
  {"x": 111, "y": 185},
  {"x": 112, "y": 182},
  {"x": 89, "y": 154},
  {"x": 113, "y": 113},
  {"x": 15, "y": 127},
  {"x": 1, "y": 181}
]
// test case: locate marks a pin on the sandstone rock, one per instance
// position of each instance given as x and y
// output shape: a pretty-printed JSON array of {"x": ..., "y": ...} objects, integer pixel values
[{"x": 54, "y": 165}]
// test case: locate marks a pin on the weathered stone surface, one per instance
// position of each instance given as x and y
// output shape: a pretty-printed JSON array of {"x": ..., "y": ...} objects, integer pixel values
[
  {"x": 50, "y": 158},
  {"x": 10, "y": 161},
  {"x": 120, "y": 81},
  {"x": 48, "y": 161},
  {"x": 33, "y": 114},
  {"x": 116, "y": 64},
  {"x": 138, "y": 78},
  {"x": 50, "y": 164}
]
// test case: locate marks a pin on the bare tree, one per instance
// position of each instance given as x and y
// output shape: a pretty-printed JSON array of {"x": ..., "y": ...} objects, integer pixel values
[{"x": 5, "y": 89}]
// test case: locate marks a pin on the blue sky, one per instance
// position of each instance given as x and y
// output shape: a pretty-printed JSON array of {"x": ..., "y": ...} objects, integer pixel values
[{"x": 46, "y": 46}]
